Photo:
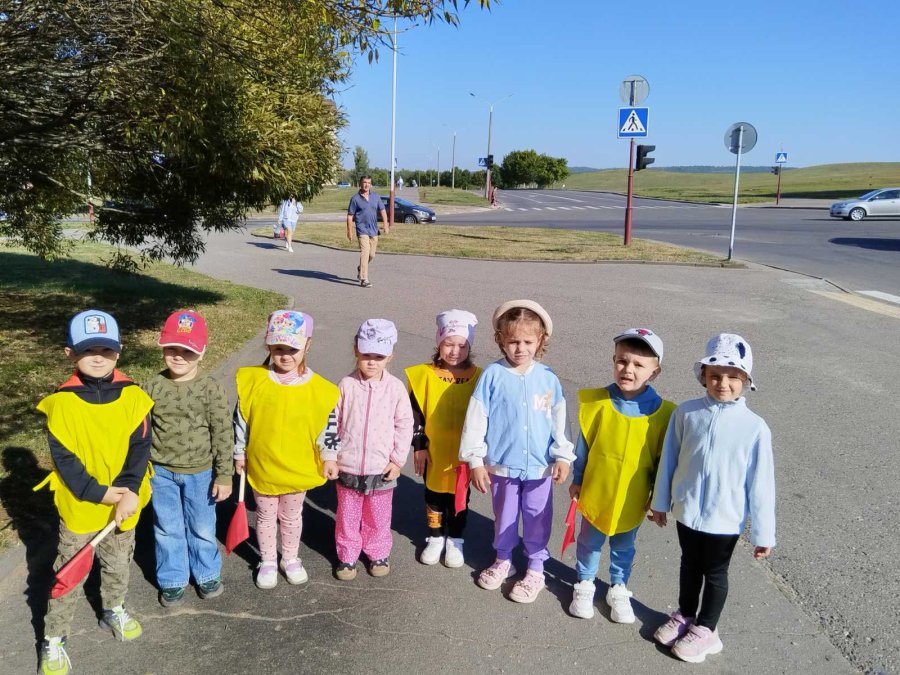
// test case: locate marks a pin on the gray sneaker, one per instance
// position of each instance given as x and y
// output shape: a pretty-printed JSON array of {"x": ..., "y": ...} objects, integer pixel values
[{"x": 365, "y": 283}]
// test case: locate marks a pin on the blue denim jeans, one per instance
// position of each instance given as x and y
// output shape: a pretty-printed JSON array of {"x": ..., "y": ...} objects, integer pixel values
[
  {"x": 185, "y": 528},
  {"x": 587, "y": 554}
]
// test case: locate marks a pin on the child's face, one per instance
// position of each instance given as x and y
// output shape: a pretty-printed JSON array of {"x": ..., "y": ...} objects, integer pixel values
[
  {"x": 94, "y": 362},
  {"x": 286, "y": 358},
  {"x": 724, "y": 383},
  {"x": 371, "y": 366},
  {"x": 633, "y": 371},
  {"x": 521, "y": 342},
  {"x": 454, "y": 350},
  {"x": 183, "y": 364}
]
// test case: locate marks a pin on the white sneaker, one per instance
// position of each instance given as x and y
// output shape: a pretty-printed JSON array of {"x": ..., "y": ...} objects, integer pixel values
[
  {"x": 294, "y": 571},
  {"x": 617, "y": 597},
  {"x": 453, "y": 556},
  {"x": 290, "y": 248},
  {"x": 582, "y": 600},
  {"x": 267, "y": 576},
  {"x": 433, "y": 548}
]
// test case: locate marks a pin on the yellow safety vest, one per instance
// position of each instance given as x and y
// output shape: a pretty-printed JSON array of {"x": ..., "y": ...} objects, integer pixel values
[
  {"x": 284, "y": 422},
  {"x": 444, "y": 405},
  {"x": 99, "y": 435},
  {"x": 623, "y": 455}
]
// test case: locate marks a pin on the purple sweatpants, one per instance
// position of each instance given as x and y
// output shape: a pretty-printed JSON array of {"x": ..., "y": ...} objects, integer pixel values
[{"x": 531, "y": 498}]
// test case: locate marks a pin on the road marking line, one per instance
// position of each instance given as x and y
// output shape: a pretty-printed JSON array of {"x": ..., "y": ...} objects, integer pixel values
[
  {"x": 564, "y": 208},
  {"x": 551, "y": 208},
  {"x": 862, "y": 303},
  {"x": 507, "y": 209},
  {"x": 521, "y": 209},
  {"x": 882, "y": 296},
  {"x": 596, "y": 208},
  {"x": 578, "y": 208}
]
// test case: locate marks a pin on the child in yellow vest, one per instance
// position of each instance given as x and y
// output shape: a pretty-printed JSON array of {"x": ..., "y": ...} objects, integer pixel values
[
  {"x": 282, "y": 413},
  {"x": 622, "y": 431},
  {"x": 439, "y": 392},
  {"x": 99, "y": 435}
]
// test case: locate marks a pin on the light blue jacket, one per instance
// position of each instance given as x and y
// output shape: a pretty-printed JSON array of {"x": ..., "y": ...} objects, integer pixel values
[
  {"x": 717, "y": 468},
  {"x": 516, "y": 422}
]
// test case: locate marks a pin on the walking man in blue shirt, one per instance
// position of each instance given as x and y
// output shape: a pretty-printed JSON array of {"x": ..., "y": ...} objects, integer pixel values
[{"x": 363, "y": 211}]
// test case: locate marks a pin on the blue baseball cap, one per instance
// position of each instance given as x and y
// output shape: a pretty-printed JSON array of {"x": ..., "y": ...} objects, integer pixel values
[{"x": 93, "y": 328}]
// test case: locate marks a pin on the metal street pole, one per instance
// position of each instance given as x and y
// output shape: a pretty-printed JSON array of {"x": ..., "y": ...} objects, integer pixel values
[
  {"x": 393, "y": 122},
  {"x": 737, "y": 178},
  {"x": 439, "y": 166},
  {"x": 630, "y": 192},
  {"x": 487, "y": 173},
  {"x": 453, "y": 164}
]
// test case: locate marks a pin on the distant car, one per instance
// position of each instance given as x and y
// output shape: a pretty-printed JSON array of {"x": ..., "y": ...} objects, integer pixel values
[
  {"x": 343, "y": 183},
  {"x": 407, "y": 212},
  {"x": 882, "y": 202}
]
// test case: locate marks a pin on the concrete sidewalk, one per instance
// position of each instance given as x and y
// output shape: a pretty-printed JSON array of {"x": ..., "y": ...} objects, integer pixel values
[{"x": 432, "y": 619}]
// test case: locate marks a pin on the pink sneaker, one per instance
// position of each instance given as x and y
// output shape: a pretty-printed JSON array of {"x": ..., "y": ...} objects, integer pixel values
[
  {"x": 493, "y": 577},
  {"x": 673, "y": 629},
  {"x": 697, "y": 643},
  {"x": 527, "y": 588}
]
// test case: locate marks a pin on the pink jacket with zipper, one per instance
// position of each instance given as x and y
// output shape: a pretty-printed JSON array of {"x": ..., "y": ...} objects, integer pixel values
[{"x": 374, "y": 423}]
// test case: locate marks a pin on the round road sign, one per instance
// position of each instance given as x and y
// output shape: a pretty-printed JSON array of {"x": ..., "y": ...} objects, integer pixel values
[{"x": 734, "y": 137}]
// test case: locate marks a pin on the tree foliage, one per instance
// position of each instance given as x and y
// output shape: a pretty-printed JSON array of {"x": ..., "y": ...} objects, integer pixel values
[
  {"x": 360, "y": 163},
  {"x": 187, "y": 113},
  {"x": 527, "y": 167}
]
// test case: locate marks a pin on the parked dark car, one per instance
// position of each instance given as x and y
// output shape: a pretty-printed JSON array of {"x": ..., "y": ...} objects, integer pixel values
[
  {"x": 343, "y": 184},
  {"x": 407, "y": 212}
]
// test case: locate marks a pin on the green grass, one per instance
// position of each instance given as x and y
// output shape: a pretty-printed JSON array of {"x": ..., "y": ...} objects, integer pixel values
[
  {"x": 36, "y": 301},
  {"x": 444, "y": 195},
  {"x": 828, "y": 181},
  {"x": 504, "y": 243}
]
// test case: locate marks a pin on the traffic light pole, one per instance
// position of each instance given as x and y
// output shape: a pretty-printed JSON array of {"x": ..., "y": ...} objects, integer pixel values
[
  {"x": 778, "y": 189},
  {"x": 630, "y": 190}
]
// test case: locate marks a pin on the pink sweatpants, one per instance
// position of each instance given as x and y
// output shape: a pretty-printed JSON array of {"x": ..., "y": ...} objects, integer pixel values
[
  {"x": 286, "y": 509},
  {"x": 363, "y": 523}
]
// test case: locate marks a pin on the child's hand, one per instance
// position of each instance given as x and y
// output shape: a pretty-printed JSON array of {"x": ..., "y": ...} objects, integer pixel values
[
  {"x": 220, "y": 492},
  {"x": 658, "y": 517},
  {"x": 240, "y": 465},
  {"x": 420, "y": 458},
  {"x": 126, "y": 507},
  {"x": 113, "y": 495},
  {"x": 574, "y": 491},
  {"x": 391, "y": 471},
  {"x": 761, "y": 551},
  {"x": 560, "y": 472},
  {"x": 480, "y": 479},
  {"x": 330, "y": 469}
]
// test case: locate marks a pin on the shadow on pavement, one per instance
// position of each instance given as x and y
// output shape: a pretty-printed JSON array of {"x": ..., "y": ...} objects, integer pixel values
[
  {"x": 874, "y": 244},
  {"x": 321, "y": 276},
  {"x": 34, "y": 518}
]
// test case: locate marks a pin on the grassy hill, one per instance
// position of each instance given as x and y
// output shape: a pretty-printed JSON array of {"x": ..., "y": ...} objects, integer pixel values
[{"x": 826, "y": 181}]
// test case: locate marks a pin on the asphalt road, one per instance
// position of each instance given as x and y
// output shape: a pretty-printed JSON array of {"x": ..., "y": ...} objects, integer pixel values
[
  {"x": 825, "y": 603},
  {"x": 858, "y": 256}
]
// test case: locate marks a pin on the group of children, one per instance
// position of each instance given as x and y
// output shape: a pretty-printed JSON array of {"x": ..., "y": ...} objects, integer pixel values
[{"x": 503, "y": 429}]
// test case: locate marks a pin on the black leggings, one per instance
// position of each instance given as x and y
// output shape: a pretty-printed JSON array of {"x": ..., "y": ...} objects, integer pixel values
[
  {"x": 440, "y": 510},
  {"x": 704, "y": 564}
]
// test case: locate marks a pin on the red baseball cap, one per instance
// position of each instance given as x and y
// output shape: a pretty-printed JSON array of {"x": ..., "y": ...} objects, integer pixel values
[{"x": 185, "y": 329}]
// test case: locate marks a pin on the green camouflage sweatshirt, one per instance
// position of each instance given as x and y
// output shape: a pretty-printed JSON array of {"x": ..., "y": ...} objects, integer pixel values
[{"x": 191, "y": 426}]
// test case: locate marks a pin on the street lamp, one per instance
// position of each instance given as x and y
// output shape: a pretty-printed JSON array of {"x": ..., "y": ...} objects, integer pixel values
[
  {"x": 452, "y": 161},
  {"x": 487, "y": 181},
  {"x": 393, "y": 123}
]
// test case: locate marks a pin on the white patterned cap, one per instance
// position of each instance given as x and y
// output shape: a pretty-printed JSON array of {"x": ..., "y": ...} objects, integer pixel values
[
  {"x": 456, "y": 322},
  {"x": 729, "y": 350}
]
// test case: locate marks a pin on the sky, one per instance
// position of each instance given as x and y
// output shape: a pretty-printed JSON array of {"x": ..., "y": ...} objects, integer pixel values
[{"x": 818, "y": 80}]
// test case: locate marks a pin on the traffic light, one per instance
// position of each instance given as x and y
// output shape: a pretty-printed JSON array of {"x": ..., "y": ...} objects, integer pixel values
[
  {"x": 490, "y": 161},
  {"x": 776, "y": 169},
  {"x": 643, "y": 161}
]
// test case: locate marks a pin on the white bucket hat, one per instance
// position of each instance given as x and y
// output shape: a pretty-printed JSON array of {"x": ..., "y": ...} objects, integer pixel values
[
  {"x": 526, "y": 304},
  {"x": 730, "y": 350}
]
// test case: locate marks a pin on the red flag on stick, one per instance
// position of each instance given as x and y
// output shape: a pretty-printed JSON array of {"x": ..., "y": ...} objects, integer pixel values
[
  {"x": 462, "y": 487},
  {"x": 569, "y": 536},
  {"x": 238, "y": 530},
  {"x": 74, "y": 572}
]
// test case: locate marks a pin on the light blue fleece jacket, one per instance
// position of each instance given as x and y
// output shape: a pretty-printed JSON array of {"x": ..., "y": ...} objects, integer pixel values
[
  {"x": 516, "y": 422},
  {"x": 717, "y": 468}
]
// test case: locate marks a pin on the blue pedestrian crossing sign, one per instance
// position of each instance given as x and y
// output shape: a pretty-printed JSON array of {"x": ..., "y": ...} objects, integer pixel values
[
  {"x": 780, "y": 157},
  {"x": 633, "y": 122}
]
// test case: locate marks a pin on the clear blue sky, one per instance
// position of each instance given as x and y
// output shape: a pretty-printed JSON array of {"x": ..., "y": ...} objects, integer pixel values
[{"x": 819, "y": 79}]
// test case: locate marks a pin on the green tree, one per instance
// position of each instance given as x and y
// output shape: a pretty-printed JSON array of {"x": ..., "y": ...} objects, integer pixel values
[
  {"x": 360, "y": 163},
  {"x": 527, "y": 167},
  {"x": 188, "y": 113}
]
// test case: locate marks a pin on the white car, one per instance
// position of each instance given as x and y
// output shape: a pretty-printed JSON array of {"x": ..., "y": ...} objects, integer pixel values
[{"x": 882, "y": 202}]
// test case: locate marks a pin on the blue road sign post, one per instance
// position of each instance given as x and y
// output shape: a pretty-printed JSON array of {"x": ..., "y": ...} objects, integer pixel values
[
  {"x": 482, "y": 161},
  {"x": 633, "y": 122},
  {"x": 780, "y": 157}
]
